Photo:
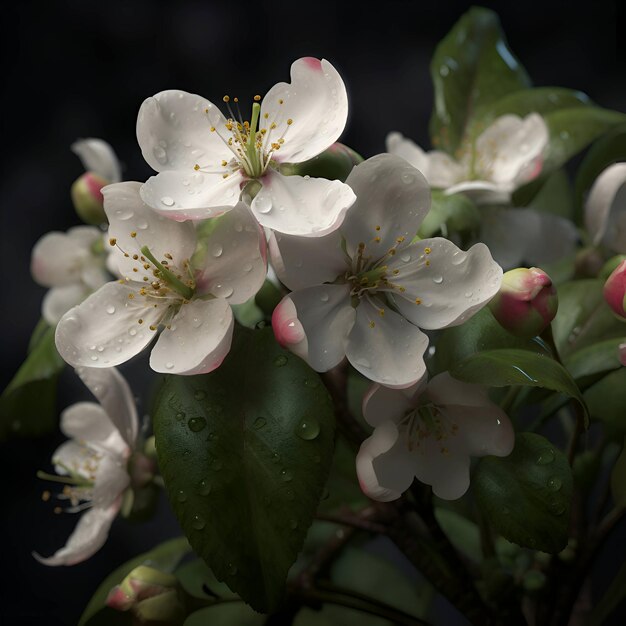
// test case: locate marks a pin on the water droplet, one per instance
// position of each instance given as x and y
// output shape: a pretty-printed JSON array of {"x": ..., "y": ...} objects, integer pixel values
[
  {"x": 198, "y": 522},
  {"x": 142, "y": 224},
  {"x": 555, "y": 483},
  {"x": 308, "y": 429},
  {"x": 132, "y": 332},
  {"x": 407, "y": 178},
  {"x": 286, "y": 475},
  {"x": 444, "y": 70},
  {"x": 100, "y": 348},
  {"x": 199, "y": 395},
  {"x": 405, "y": 258},
  {"x": 324, "y": 297},
  {"x": 196, "y": 322},
  {"x": 311, "y": 383},
  {"x": 276, "y": 457},
  {"x": 204, "y": 487},
  {"x": 564, "y": 135},
  {"x": 196, "y": 424},
  {"x": 247, "y": 267},
  {"x": 94, "y": 357},
  {"x": 180, "y": 416},
  {"x": 259, "y": 422},
  {"x": 167, "y": 201},
  {"x": 557, "y": 508},
  {"x": 110, "y": 309},
  {"x": 469, "y": 294},
  {"x": 216, "y": 250},
  {"x": 545, "y": 457},
  {"x": 280, "y": 360},
  {"x": 169, "y": 365},
  {"x": 160, "y": 155},
  {"x": 362, "y": 362},
  {"x": 238, "y": 227},
  {"x": 438, "y": 280},
  {"x": 181, "y": 496},
  {"x": 263, "y": 204}
]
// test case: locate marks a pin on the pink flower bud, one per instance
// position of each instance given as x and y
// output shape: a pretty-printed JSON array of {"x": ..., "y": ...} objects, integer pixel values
[
  {"x": 140, "y": 585},
  {"x": 526, "y": 303},
  {"x": 615, "y": 290},
  {"x": 87, "y": 197}
]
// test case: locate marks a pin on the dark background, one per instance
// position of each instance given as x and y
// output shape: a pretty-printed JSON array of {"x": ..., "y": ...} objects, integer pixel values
[{"x": 79, "y": 69}]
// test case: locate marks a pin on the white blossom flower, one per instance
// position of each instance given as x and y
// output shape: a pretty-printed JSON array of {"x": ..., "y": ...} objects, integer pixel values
[
  {"x": 365, "y": 290},
  {"x": 204, "y": 159},
  {"x": 98, "y": 157},
  {"x": 93, "y": 464},
  {"x": 507, "y": 154},
  {"x": 72, "y": 264},
  {"x": 429, "y": 431},
  {"x": 167, "y": 283},
  {"x": 605, "y": 209}
]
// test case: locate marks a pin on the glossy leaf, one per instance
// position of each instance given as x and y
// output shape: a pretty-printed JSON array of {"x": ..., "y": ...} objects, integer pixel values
[
  {"x": 449, "y": 214},
  {"x": 28, "y": 404},
  {"x": 480, "y": 332},
  {"x": 526, "y": 496},
  {"x": 607, "y": 400},
  {"x": 164, "y": 557},
  {"x": 235, "y": 613},
  {"x": 471, "y": 68},
  {"x": 244, "y": 452},
  {"x": 618, "y": 479},
  {"x": 504, "y": 367}
]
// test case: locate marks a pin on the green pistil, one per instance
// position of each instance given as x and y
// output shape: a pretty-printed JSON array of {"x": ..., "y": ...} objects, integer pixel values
[
  {"x": 427, "y": 417},
  {"x": 178, "y": 286},
  {"x": 251, "y": 149},
  {"x": 65, "y": 480},
  {"x": 372, "y": 277}
]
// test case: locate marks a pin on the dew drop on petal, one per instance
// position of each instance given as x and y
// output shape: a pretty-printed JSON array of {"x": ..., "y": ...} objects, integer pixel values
[
  {"x": 407, "y": 178},
  {"x": 438, "y": 280},
  {"x": 142, "y": 224},
  {"x": 132, "y": 332},
  {"x": 216, "y": 250},
  {"x": 160, "y": 155},
  {"x": 196, "y": 322},
  {"x": 324, "y": 297},
  {"x": 167, "y": 201},
  {"x": 169, "y": 365},
  {"x": 263, "y": 204},
  {"x": 110, "y": 309}
]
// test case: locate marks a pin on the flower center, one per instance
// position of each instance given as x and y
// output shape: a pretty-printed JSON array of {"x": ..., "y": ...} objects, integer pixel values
[
  {"x": 428, "y": 421},
  {"x": 252, "y": 143}
]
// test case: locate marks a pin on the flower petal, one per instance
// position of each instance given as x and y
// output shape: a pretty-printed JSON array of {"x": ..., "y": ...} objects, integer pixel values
[
  {"x": 116, "y": 398},
  {"x": 306, "y": 261},
  {"x": 298, "y": 205},
  {"x": 192, "y": 196},
  {"x": 438, "y": 168},
  {"x": 98, "y": 156},
  {"x": 132, "y": 225},
  {"x": 392, "y": 200},
  {"x": 58, "y": 258},
  {"x": 232, "y": 264},
  {"x": 509, "y": 151},
  {"x": 482, "y": 191},
  {"x": 385, "y": 347},
  {"x": 197, "y": 341},
  {"x": 517, "y": 237},
  {"x": 88, "y": 537},
  {"x": 103, "y": 330},
  {"x": 607, "y": 197},
  {"x": 89, "y": 422},
  {"x": 382, "y": 404},
  {"x": 443, "y": 285},
  {"x": 384, "y": 465},
  {"x": 326, "y": 317},
  {"x": 317, "y": 103},
  {"x": 59, "y": 300},
  {"x": 173, "y": 131}
]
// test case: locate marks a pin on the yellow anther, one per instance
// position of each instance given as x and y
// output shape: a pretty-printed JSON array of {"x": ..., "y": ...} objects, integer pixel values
[
  {"x": 226, "y": 98},
  {"x": 235, "y": 99},
  {"x": 280, "y": 101},
  {"x": 146, "y": 266},
  {"x": 372, "y": 324},
  {"x": 377, "y": 239},
  {"x": 400, "y": 239},
  {"x": 206, "y": 110},
  {"x": 272, "y": 125},
  {"x": 131, "y": 296},
  {"x": 401, "y": 289},
  {"x": 257, "y": 98},
  {"x": 212, "y": 129},
  {"x": 112, "y": 241},
  {"x": 45, "y": 496},
  {"x": 139, "y": 321},
  {"x": 427, "y": 263},
  {"x": 58, "y": 510},
  {"x": 427, "y": 250},
  {"x": 224, "y": 163},
  {"x": 196, "y": 167},
  {"x": 418, "y": 301},
  {"x": 133, "y": 234},
  {"x": 135, "y": 256},
  {"x": 392, "y": 251},
  {"x": 153, "y": 327},
  {"x": 289, "y": 122},
  {"x": 377, "y": 227},
  {"x": 225, "y": 175},
  {"x": 135, "y": 269},
  {"x": 265, "y": 115},
  {"x": 396, "y": 272},
  {"x": 381, "y": 312}
]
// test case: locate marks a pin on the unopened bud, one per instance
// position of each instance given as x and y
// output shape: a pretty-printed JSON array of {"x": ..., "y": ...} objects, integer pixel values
[
  {"x": 148, "y": 593},
  {"x": 615, "y": 290},
  {"x": 526, "y": 303},
  {"x": 334, "y": 164},
  {"x": 87, "y": 198}
]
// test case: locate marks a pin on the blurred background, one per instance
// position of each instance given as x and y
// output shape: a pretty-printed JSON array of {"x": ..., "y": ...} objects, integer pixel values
[{"x": 80, "y": 69}]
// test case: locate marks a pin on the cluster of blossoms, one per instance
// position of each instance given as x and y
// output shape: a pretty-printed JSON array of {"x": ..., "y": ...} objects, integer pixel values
[{"x": 194, "y": 239}]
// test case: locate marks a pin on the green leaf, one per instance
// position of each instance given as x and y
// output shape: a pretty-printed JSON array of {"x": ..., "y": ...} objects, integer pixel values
[
  {"x": 28, "y": 404},
  {"x": 585, "y": 330},
  {"x": 618, "y": 479},
  {"x": 555, "y": 196},
  {"x": 500, "y": 368},
  {"x": 480, "y": 332},
  {"x": 572, "y": 130},
  {"x": 526, "y": 496},
  {"x": 613, "y": 597},
  {"x": 235, "y": 613},
  {"x": 336, "y": 163},
  {"x": 471, "y": 68},
  {"x": 607, "y": 150},
  {"x": 463, "y": 533},
  {"x": 450, "y": 213},
  {"x": 164, "y": 557},
  {"x": 245, "y": 453},
  {"x": 606, "y": 400}
]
